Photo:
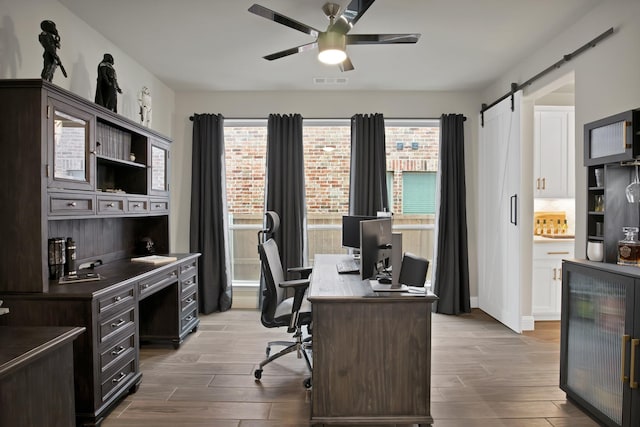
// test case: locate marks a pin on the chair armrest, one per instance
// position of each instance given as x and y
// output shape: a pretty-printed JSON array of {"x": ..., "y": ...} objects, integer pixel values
[
  {"x": 299, "y": 283},
  {"x": 300, "y": 287},
  {"x": 304, "y": 272}
]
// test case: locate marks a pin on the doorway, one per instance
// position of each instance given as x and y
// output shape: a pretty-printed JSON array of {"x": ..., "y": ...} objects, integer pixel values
[{"x": 553, "y": 194}]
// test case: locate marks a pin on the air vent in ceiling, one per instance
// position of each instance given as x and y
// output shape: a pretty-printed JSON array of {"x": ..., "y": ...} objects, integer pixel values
[{"x": 330, "y": 80}]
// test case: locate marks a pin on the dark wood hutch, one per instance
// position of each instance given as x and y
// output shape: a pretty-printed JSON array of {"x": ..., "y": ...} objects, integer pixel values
[{"x": 75, "y": 169}]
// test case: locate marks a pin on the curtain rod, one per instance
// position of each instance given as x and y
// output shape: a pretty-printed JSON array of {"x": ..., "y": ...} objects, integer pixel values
[
  {"x": 315, "y": 118},
  {"x": 566, "y": 58}
]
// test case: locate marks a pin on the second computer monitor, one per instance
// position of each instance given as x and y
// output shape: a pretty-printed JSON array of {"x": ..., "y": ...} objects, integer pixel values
[
  {"x": 351, "y": 230},
  {"x": 375, "y": 246}
]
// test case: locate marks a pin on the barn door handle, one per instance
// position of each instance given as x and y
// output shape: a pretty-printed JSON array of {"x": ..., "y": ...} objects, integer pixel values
[{"x": 513, "y": 209}]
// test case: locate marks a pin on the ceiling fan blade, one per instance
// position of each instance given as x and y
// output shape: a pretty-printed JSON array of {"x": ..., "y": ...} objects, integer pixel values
[
  {"x": 346, "y": 65},
  {"x": 284, "y": 20},
  {"x": 382, "y": 38},
  {"x": 287, "y": 52},
  {"x": 351, "y": 14}
]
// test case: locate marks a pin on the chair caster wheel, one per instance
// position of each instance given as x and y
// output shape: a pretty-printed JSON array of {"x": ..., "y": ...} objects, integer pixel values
[
  {"x": 307, "y": 383},
  {"x": 258, "y": 374}
]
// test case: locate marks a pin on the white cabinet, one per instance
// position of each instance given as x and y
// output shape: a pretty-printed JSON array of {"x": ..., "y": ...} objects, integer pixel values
[
  {"x": 546, "y": 283},
  {"x": 554, "y": 148}
]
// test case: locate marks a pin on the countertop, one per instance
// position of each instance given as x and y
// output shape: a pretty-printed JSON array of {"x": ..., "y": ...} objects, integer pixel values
[{"x": 542, "y": 239}]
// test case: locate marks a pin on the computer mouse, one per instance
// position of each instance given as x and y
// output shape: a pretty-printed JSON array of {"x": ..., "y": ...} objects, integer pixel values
[{"x": 384, "y": 280}]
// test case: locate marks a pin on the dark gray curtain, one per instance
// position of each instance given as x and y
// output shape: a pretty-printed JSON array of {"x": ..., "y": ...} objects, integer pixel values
[
  {"x": 451, "y": 278},
  {"x": 284, "y": 191},
  {"x": 209, "y": 219},
  {"x": 368, "y": 178}
]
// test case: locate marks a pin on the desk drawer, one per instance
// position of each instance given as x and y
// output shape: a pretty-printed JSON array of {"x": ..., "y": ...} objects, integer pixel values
[
  {"x": 115, "y": 324},
  {"x": 158, "y": 206},
  {"x": 187, "y": 285},
  {"x": 115, "y": 380},
  {"x": 189, "y": 301},
  {"x": 66, "y": 204},
  {"x": 110, "y": 205},
  {"x": 157, "y": 282},
  {"x": 188, "y": 318},
  {"x": 189, "y": 268},
  {"x": 137, "y": 205},
  {"x": 117, "y": 300},
  {"x": 114, "y": 354}
]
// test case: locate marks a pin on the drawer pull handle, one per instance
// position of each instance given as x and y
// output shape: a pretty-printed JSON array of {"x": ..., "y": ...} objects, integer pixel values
[
  {"x": 544, "y": 183},
  {"x": 136, "y": 205},
  {"x": 189, "y": 282},
  {"x": 71, "y": 204},
  {"x": 110, "y": 205},
  {"x": 558, "y": 253},
  {"x": 145, "y": 286},
  {"x": 120, "y": 378},
  {"x": 173, "y": 274},
  {"x": 118, "y": 350},
  {"x": 632, "y": 380},
  {"x": 158, "y": 206},
  {"x": 189, "y": 300},
  {"x": 189, "y": 318},
  {"x": 118, "y": 298},
  {"x": 623, "y": 362},
  {"x": 120, "y": 323}
]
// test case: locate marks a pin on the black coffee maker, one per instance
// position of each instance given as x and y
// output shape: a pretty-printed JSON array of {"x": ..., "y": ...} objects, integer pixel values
[{"x": 57, "y": 258}]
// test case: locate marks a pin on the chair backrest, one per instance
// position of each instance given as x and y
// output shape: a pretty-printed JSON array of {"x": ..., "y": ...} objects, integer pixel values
[
  {"x": 413, "y": 271},
  {"x": 273, "y": 275}
]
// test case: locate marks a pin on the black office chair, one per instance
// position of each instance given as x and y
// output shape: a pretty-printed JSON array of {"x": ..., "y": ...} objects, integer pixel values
[
  {"x": 278, "y": 310},
  {"x": 413, "y": 271}
]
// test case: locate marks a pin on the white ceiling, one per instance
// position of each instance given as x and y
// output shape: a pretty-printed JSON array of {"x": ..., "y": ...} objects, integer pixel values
[{"x": 212, "y": 45}]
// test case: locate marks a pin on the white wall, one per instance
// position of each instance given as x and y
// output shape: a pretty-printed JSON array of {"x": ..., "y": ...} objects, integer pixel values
[
  {"x": 316, "y": 104},
  {"x": 82, "y": 49}
]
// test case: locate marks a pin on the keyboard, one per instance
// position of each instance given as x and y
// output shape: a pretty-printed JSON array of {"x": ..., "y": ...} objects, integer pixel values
[{"x": 350, "y": 266}]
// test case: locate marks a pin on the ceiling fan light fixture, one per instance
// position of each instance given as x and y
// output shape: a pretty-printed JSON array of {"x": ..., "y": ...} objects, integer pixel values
[{"x": 331, "y": 46}]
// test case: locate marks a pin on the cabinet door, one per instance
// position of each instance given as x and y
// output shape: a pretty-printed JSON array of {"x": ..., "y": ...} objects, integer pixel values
[
  {"x": 547, "y": 289},
  {"x": 71, "y": 147},
  {"x": 159, "y": 168},
  {"x": 597, "y": 332},
  {"x": 552, "y": 162}
]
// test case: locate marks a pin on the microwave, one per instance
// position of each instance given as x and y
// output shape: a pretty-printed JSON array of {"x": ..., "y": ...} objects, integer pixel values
[{"x": 612, "y": 139}]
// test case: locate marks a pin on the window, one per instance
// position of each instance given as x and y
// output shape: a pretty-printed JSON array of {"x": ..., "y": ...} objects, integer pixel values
[
  {"x": 419, "y": 192},
  {"x": 412, "y": 163}
]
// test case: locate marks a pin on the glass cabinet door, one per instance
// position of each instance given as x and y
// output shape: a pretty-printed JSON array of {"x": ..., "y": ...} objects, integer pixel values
[
  {"x": 159, "y": 170},
  {"x": 597, "y": 328},
  {"x": 71, "y": 134}
]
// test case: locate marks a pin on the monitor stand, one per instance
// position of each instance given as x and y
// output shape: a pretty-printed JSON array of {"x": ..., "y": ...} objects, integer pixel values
[{"x": 396, "y": 259}]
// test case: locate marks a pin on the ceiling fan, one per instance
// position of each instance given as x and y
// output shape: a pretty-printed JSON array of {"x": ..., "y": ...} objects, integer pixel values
[{"x": 332, "y": 42}]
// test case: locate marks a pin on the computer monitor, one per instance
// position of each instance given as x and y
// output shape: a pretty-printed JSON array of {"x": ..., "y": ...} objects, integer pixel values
[
  {"x": 375, "y": 246},
  {"x": 351, "y": 230}
]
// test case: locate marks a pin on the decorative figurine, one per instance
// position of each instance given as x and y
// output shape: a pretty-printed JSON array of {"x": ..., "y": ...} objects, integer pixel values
[
  {"x": 50, "y": 41},
  {"x": 107, "y": 88},
  {"x": 144, "y": 99}
]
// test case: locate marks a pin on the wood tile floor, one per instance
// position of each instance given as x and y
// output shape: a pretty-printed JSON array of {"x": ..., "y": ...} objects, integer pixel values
[{"x": 482, "y": 375}]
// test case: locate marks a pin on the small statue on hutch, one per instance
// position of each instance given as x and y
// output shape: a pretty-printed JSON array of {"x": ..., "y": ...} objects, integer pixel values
[
  {"x": 144, "y": 100},
  {"x": 107, "y": 88},
  {"x": 50, "y": 41}
]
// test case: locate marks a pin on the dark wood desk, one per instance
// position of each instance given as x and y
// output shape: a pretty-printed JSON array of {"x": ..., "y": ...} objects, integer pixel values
[
  {"x": 371, "y": 351},
  {"x": 36, "y": 376}
]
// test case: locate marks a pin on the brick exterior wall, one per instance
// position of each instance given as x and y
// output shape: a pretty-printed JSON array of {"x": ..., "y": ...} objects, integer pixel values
[{"x": 327, "y": 154}]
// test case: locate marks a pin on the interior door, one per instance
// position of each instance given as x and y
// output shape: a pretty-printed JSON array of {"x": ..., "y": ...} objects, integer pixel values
[{"x": 498, "y": 195}]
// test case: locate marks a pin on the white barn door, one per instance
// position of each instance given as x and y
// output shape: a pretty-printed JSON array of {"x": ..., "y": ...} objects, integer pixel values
[{"x": 498, "y": 202}]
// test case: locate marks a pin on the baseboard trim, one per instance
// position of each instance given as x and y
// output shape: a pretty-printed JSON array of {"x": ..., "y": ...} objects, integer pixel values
[
  {"x": 245, "y": 297},
  {"x": 527, "y": 323},
  {"x": 474, "y": 302}
]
